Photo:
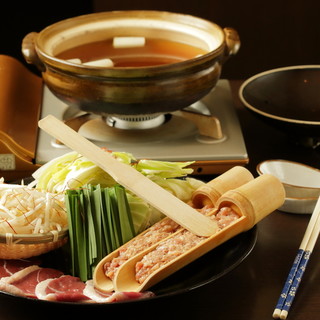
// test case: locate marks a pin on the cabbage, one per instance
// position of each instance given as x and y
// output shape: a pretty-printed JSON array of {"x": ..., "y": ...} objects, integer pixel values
[
  {"x": 163, "y": 169},
  {"x": 181, "y": 188},
  {"x": 144, "y": 215},
  {"x": 72, "y": 171},
  {"x": 140, "y": 212}
]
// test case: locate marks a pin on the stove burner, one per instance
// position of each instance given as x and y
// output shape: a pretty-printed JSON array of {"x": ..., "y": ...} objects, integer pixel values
[
  {"x": 207, "y": 132},
  {"x": 192, "y": 122},
  {"x": 139, "y": 122}
]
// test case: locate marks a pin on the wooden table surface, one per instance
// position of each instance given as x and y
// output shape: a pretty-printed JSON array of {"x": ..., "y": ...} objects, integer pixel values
[{"x": 250, "y": 291}]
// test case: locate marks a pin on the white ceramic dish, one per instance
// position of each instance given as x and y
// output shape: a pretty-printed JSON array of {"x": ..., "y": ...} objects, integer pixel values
[
  {"x": 299, "y": 205},
  {"x": 301, "y": 183},
  {"x": 299, "y": 180}
]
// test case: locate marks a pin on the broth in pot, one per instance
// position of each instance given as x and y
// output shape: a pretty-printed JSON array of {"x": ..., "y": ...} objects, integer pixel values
[{"x": 133, "y": 52}]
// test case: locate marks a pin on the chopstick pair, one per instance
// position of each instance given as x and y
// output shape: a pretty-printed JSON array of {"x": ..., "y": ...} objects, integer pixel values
[{"x": 299, "y": 265}]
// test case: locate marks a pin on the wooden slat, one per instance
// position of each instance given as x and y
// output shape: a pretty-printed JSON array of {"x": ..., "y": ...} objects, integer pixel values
[{"x": 131, "y": 179}]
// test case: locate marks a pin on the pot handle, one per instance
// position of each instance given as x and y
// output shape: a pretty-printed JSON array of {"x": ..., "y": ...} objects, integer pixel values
[
  {"x": 29, "y": 51},
  {"x": 232, "y": 42}
]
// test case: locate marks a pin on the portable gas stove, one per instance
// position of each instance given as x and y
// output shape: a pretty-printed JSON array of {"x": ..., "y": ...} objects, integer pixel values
[{"x": 166, "y": 137}]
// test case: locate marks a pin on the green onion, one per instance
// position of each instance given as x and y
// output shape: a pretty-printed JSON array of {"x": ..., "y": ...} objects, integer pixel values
[
  {"x": 113, "y": 213},
  {"x": 100, "y": 221},
  {"x": 80, "y": 233},
  {"x": 71, "y": 207},
  {"x": 125, "y": 220},
  {"x": 97, "y": 220}
]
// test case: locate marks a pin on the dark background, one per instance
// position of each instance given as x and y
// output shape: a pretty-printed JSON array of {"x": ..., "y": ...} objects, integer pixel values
[{"x": 273, "y": 33}]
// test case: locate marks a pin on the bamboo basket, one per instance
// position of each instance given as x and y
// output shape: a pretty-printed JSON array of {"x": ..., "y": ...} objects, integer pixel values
[{"x": 22, "y": 246}]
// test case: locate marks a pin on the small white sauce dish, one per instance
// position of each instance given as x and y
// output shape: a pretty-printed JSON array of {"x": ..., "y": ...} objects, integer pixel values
[
  {"x": 301, "y": 183},
  {"x": 298, "y": 205}
]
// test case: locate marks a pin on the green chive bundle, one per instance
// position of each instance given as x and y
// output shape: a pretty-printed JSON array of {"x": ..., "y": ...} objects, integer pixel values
[{"x": 99, "y": 221}]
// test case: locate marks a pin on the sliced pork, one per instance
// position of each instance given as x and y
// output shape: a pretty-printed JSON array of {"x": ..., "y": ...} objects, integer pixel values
[
  {"x": 9, "y": 267},
  {"x": 64, "y": 288},
  {"x": 125, "y": 296},
  {"x": 20, "y": 278},
  {"x": 71, "y": 289},
  {"x": 101, "y": 297},
  {"x": 24, "y": 282}
]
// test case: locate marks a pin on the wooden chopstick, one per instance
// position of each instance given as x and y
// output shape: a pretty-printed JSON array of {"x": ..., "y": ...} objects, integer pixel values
[{"x": 299, "y": 265}]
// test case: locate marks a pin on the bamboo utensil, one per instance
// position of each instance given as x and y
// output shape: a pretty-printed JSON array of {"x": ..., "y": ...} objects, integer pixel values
[
  {"x": 247, "y": 201},
  {"x": 299, "y": 265},
  {"x": 209, "y": 193},
  {"x": 205, "y": 195},
  {"x": 131, "y": 179}
]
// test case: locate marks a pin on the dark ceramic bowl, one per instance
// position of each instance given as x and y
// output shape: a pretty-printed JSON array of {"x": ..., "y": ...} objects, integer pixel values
[
  {"x": 131, "y": 90},
  {"x": 288, "y": 98}
]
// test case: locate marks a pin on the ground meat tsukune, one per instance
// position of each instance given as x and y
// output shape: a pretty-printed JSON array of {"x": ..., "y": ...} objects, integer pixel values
[{"x": 178, "y": 244}]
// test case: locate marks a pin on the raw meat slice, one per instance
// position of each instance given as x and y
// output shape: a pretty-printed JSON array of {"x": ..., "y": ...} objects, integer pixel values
[
  {"x": 125, "y": 296},
  {"x": 64, "y": 288},
  {"x": 9, "y": 267},
  {"x": 101, "y": 297},
  {"x": 91, "y": 292},
  {"x": 72, "y": 289},
  {"x": 25, "y": 281},
  {"x": 21, "y": 278}
]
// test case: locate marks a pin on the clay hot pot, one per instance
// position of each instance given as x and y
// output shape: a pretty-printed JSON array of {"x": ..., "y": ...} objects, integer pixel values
[{"x": 131, "y": 90}]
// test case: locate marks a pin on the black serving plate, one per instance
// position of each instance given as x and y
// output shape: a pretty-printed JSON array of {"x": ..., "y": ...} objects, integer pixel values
[
  {"x": 208, "y": 268},
  {"x": 287, "y": 98}
]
